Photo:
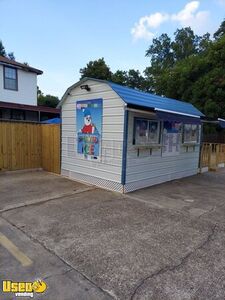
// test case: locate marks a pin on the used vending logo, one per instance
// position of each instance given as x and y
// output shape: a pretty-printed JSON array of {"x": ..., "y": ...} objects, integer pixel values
[{"x": 24, "y": 289}]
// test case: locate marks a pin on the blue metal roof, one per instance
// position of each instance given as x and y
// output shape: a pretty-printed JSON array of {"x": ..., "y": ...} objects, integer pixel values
[
  {"x": 52, "y": 121},
  {"x": 147, "y": 100}
]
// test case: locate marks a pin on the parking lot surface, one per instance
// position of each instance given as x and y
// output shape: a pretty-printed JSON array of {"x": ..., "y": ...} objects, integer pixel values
[{"x": 162, "y": 242}]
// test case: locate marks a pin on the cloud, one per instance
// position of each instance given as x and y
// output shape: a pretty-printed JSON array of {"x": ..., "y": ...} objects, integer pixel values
[
  {"x": 155, "y": 20},
  {"x": 188, "y": 16},
  {"x": 141, "y": 30},
  {"x": 187, "y": 13}
]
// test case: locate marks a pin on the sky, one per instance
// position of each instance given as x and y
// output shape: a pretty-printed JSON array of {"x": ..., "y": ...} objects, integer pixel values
[{"x": 60, "y": 37}]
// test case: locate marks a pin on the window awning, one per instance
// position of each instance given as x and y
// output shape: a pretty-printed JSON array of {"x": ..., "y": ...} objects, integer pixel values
[
  {"x": 165, "y": 116},
  {"x": 221, "y": 122}
]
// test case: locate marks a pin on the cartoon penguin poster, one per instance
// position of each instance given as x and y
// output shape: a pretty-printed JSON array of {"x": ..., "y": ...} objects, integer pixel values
[{"x": 89, "y": 128}]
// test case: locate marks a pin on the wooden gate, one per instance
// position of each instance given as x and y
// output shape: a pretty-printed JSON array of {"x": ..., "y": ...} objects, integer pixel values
[
  {"x": 50, "y": 147},
  {"x": 29, "y": 145}
]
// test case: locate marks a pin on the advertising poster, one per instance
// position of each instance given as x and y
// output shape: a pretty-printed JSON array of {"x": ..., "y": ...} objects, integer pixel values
[
  {"x": 89, "y": 128},
  {"x": 191, "y": 133},
  {"x": 146, "y": 132},
  {"x": 171, "y": 138}
]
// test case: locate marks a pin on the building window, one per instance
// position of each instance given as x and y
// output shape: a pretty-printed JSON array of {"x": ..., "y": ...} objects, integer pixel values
[
  {"x": 10, "y": 78},
  {"x": 146, "y": 132},
  {"x": 191, "y": 133},
  {"x": 17, "y": 114}
]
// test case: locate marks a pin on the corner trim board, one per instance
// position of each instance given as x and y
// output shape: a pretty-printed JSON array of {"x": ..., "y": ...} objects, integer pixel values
[{"x": 124, "y": 157}]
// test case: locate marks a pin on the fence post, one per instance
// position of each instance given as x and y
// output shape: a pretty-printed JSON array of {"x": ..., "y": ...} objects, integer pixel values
[
  {"x": 201, "y": 157},
  {"x": 217, "y": 154},
  {"x": 210, "y": 155},
  {"x": 223, "y": 151}
]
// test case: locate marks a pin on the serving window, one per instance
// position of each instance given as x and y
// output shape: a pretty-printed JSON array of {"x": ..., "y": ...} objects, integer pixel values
[
  {"x": 190, "y": 133},
  {"x": 146, "y": 132}
]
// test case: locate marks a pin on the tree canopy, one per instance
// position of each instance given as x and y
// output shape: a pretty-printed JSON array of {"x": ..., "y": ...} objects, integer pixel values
[
  {"x": 3, "y": 52},
  {"x": 97, "y": 69},
  {"x": 46, "y": 100},
  {"x": 195, "y": 71},
  {"x": 100, "y": 70},
  {"x": 2, "y": 49},
  {"x": 187, "y": 67}
]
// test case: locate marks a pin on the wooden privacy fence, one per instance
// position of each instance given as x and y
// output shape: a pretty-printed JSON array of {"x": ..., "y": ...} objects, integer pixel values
[
  {"x": 212, "y": 155},
  {"x": 29, "y": 145}
]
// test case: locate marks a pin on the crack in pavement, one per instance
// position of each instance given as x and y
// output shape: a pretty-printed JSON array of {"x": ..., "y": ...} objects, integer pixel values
[
  {"x": 58, "y": 274},
  {"x": 214, "y": 208},
  {"x": 35, "y": 240},
  {"x": 204, "y": 215},
  {"x": 31, "y": 203},
  {"x": 149, "y": 202},
  {"x": 176, "y": 266}
]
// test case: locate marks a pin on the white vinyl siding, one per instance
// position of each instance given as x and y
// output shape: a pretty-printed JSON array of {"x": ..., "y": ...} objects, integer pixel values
[
  {"x": 146, "y": 169},
  {"x": 27, "y": 88},
  {"x": 109, "y": 167}
]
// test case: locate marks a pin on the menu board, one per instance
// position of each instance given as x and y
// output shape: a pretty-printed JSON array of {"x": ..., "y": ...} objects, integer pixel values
[{"x": 171, "y": 138}]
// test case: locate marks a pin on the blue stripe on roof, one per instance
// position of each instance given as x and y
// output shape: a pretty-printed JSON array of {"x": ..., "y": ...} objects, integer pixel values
[{"x": 147, "y": 100}]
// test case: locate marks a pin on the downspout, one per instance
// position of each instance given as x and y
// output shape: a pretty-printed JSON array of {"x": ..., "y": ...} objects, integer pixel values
[{"x": 124, "y": 154}]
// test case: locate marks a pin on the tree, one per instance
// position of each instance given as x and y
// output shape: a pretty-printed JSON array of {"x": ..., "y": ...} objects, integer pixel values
[
  {"x": 135, "y": 79},
  {"x": 39, "y": 92},
  {"x": 197, "y": 72},
  {"x": 162, "y": 58},
  {"x": 160, "y": 52},
  {"x": 46, "y": 100},
  {"x": 204, "y": 43},
  {"x": 10, "y": 55},
  {"x": 185, "y": 43},
  {"x": 2, "y": 49},
  {"x": 100, "y": 70},
  {"x": 220, "y": 32},
  {"x": 188, "y": 67},
  {"x": 119, "y": 77},
  {"x": 96, "y": 69}
]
